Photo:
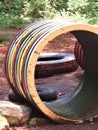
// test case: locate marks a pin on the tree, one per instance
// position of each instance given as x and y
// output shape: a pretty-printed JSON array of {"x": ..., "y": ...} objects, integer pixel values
[
  {"x": 17, "y": 13},
  {"x": 86, "y": 9}
]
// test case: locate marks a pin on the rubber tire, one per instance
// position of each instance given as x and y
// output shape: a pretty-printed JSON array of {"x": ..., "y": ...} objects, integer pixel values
[
  {"x": 45, "y": 93},
  {"x": 79, "y": 55},
  {"x": 58, "y": 63}
]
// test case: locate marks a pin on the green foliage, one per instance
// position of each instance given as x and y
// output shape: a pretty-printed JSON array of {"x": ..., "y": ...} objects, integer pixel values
[
  {"x": 10, "y": 13},
  {"x": 59, "y": 5},
  {"x": 84, "y": 9},
  {"x": 17, "y": 13},
  {"x": 77, "y": 10},
  {"x": 39, "y": 9}
]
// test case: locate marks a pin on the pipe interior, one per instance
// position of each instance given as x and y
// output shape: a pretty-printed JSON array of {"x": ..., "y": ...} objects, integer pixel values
[{"x": 82, "y": 103}]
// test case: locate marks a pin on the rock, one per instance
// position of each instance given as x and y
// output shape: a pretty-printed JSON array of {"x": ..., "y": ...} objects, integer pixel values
[
  {"x": 3, "y": 123},
  {"x": 38, "y": 121},
  {"x": 16, "y": 114}
]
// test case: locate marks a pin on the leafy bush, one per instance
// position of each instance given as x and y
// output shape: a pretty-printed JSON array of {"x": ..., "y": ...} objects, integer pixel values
[
  {"x": 17, "y": 13},
  {"x": 78, "y": 10},
  {"x": 10, "y": 13},
  {"x": 83, "y": 9}
]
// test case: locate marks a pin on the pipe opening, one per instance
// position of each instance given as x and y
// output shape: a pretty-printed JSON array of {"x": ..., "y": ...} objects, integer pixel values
[
  {"x": 55, "y": 73},
  {"x": 82, "y": 103}
]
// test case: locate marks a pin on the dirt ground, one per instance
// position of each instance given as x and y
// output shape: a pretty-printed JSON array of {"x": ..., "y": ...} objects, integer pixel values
[{"x": 63, "y": 43}]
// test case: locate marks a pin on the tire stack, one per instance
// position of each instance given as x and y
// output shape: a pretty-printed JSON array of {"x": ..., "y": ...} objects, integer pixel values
[{"x": 79, "y": 105}]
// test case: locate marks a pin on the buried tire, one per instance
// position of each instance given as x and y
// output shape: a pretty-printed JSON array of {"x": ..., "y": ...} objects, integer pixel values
[
  {"x": 49, "y": 64},
  {"x": 79, "y": 105},
  {"x": 46, "y": 93}
]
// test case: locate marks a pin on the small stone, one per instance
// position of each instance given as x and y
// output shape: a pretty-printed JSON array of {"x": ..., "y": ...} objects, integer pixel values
[
  {"x": 91, "y": 119},
  {"x": 15, "y": 114},
  {"x": 60, "y": 94}
]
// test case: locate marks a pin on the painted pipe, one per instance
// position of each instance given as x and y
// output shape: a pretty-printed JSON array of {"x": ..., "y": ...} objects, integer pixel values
[{"x": 79, "y": 105}]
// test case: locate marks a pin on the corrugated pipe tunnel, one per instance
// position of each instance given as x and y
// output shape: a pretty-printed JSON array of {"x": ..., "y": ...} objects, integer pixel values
[{"x": 82, "y": 103}]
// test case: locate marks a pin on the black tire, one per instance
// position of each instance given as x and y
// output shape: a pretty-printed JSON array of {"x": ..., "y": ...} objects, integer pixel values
[
  {"x": 45, "y": 93},
  {"x": 49, "y": 64}
]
